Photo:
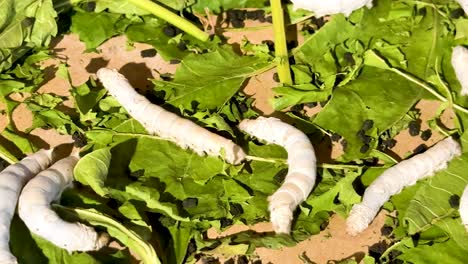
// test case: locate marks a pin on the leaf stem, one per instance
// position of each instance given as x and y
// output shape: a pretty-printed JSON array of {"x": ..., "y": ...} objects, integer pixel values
[
  {"x": 320, "y": 165},
  {"x": 281, "y": 49},
  {"x": 427, "y": 88},
  {"x": 269, "y": 160},
  {"x": 144, "y": 249},
  {"x": 172, "y": 18},
  {"x": 7, "y": 156}
]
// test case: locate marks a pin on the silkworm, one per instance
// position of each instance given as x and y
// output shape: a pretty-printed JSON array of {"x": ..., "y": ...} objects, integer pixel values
[
  {"x": 35, "y": 210},
  {"x": 330, "y": 7},
  {"x": 167, "y": 125},
  {"x": 302, "y": 170},
  {"x": 394, "y": 179},
  {"x": 460, "y": 65},
  {"x": 12, "y": 180}
]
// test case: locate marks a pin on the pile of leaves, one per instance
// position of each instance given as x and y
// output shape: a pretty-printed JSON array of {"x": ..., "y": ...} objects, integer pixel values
[{"x": 367, "y": 72}]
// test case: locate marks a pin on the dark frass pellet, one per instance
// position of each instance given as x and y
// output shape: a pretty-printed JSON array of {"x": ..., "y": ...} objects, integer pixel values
[
  {"x": 364, "y": 148},
  {"x": 243, "y": 108},
  {"x": 174, "y": 61},
  {"x": 348, "y": 56},
  {"x": 367, "y": 139},
  {"x": 389, "y": 143},
  {"x": 426, "y": 134},
  {"x": 235, "y": 209},
  {"x": 276, "y": 77},
  {"x": 386, "y": 230},
  {"x": 255, "y": 15},
  {"x": 210, "y": 260},
  {"x": 79, "y": 139},
  {"x": 170, "y": 31},
  {"x": 229, "y": 261},
  {"x": 420, "y": 149},
  {"x": 414, "y": 128},
  {"x": 368, "y": 124},
  {"x": 454, "y": 201},
  {"x": 182, "y": 46},
  {"x": 242, "y": 260},
  {"x": 190, "y": 203},
  {"x": 225, "y": 222},
  {"x": 291, "y": 44},
  {"x": 148, "y": 53},
  {"x": 361, "y": 134},
  {"x": 335, "y": 137}
]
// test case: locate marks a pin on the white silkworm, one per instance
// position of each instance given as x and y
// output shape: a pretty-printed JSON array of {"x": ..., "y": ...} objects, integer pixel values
[
  {"x": 394, "y": 179},
  {"x": 460, "y": 65},
  {"x": 34, "y": 209},
  {"x": 12, "y": 180},
  {"x": 302, "y": 167},
  {"x": 330, "y": 7},
  {"x": 463, "y": 209},
  {"x": 167, "y": 125},
  {"x": 464, "y": 5}
]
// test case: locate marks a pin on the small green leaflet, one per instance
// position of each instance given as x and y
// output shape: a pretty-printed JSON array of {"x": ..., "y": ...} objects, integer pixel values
[{"x": 209, "y": 80}]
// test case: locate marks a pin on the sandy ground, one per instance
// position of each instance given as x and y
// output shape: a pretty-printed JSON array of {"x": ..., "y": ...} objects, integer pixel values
[{"x": 331, "y": 244}]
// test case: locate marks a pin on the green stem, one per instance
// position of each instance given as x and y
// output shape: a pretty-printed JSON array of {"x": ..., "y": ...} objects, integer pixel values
[
  {"x": 144, "y": 250},
  {"x": 172, "y": 18},
  {"x": 7, "y": 156},
  {"x": 427, "y": 88},
  {"x": 281, "y": 49}
]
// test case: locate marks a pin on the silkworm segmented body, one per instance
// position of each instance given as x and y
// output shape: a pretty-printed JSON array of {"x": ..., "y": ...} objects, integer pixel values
[
  {"x": 302, "y": 167},
  {"x": 167, "y": 125},
  {"x": 460, "y": 65},
  {"x": 12, "y": 180},
  {"x": 34, "y": 209},
  {"x": 463, "y": 209},
  {"x": 330, "y": 7},
  {"x": 394, "y": 179}
]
